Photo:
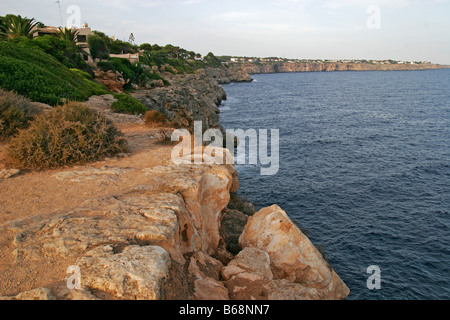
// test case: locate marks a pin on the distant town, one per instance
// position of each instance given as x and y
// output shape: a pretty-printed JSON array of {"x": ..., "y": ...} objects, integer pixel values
[{"x": 232, "y": 59}]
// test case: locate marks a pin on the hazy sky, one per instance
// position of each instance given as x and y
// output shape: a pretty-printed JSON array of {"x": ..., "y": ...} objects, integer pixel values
[{"x": 324, "y": 29}]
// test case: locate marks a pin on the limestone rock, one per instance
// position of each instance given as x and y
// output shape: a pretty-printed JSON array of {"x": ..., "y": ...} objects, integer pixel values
[
  {"x": 9, "y": 173},
  {"x": 285, "y": 290},
  {"x": 204, "y": 273},
  {"x": 81, "y": 295},
  {"x": 210, "y": 289},
  {"x": 246, "y": 286},
  {"x": 202, "y": 266},
  {"x": 35, "y": 294},
  {"x": 143, "y": 219},
  {"x": 137, "y": 273},
  {"x": 275, "y": 67},
  {"x": 228, "y": 75},
  {"x": 189, "y": 98},
  {"x": 205, "y": 195},
  {"x": 103, "y": 174},
  {"x": 246, "y": 274},
  {"x": 183, "y": 216},
  {"x": 293, "y": 257},
  {"x": 113, "y": 80},
  {"x": 250, "y": 260}
]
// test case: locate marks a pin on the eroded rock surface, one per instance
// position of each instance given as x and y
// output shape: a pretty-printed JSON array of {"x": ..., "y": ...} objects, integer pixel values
[
  {"x": 189, "y": 98},
  {"x": 292, "y": 255},
  {"x": 136, "y": 273}
]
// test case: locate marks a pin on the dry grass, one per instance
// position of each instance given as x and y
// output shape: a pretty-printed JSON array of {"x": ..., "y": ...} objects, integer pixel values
[
  {"x": 154, "y": 118},
  {"x": 15, "y": 113},
  {"x": 69, "y": 134}
]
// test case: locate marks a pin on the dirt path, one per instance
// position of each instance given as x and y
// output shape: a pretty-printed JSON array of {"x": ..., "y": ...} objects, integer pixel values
[{"x": 34, "y": 196}]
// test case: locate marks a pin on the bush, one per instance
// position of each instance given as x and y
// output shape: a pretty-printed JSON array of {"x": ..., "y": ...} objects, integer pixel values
[
  {"x": 127, "y": 104},
  {"x": 106, "y": 66},
  {"x": 15, "y": 113},
  {"x": 66, "y": 52},
  {"x": 33, "y": 73},
  {"x": 154, "y": 117},
  {"x": 125, "y": 67},
  {"x": 69, "y": 134}
]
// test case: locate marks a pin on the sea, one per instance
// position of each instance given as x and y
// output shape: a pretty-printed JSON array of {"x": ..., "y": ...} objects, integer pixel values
[{"x": 364, "y": 171}]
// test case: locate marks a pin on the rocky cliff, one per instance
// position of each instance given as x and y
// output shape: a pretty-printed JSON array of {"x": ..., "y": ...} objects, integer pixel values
[
  {"x": 189, "y": 98},
  {"x": 276, "y": 67},
  {"x": 161, "y": 237},
  {"x": 140, "y": 227}
]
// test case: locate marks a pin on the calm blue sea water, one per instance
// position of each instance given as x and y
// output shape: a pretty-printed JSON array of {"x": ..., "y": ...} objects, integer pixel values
[{"x": 364, "y": 168}]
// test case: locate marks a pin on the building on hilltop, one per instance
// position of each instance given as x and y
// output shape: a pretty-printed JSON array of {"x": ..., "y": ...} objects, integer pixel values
[{"x": 81, "y": 40}]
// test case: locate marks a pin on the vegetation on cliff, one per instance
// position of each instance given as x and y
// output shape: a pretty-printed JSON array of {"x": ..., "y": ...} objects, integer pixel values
[
  {"x": 127, "y": 104},
  {"x": 69, "y": 134},
  {"x": 31, "y": 72}
]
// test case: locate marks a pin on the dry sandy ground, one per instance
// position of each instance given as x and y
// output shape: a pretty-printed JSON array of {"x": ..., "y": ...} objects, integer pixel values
[{"x": 32, "y": 196}]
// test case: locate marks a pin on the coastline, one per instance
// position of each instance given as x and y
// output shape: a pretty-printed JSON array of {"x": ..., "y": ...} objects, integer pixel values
[
  {"x": 139, "y": 227},
  {"x": 281, "y": 67}
]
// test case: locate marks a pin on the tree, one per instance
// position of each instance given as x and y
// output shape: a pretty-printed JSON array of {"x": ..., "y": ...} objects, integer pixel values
[
  {"x": 212, "y": 60},
  {"x": 146, "y": 47},
  {"x": 15, "y": 26},
  {"x": 68, "y": 34},
  {"x": 97, "y": 47},
  {"x": 3, "y": 29},
  {"x": 119, "y": 46},
  {"x": 191, "y": 55},
  {"x": 131, "y": 39}
]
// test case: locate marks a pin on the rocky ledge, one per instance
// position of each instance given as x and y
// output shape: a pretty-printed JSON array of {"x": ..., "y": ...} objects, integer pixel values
[
  {"x": 169, "y": 237},
  {"x": 148, "y": 229}
]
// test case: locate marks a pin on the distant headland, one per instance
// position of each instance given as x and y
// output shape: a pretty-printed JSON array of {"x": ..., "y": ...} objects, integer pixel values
[{"x": 279, "y": 65}]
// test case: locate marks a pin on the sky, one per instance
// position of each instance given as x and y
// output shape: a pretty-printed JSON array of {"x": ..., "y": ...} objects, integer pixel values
[{"x": 408, "y": 30}]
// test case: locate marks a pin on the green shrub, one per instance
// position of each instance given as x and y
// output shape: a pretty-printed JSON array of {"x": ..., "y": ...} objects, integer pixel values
[
  {"x": 127, "y": 104},
  {"x": 33, "y": 73},
  {"x": 66, "y": 52},
  {"x": 124, "y": 67},
  {"x": 106, "y": 66},
  {"x": 15, "y": 113},
  {"x": 69, "y": 134},
  {"x": 82, "y": 73}
]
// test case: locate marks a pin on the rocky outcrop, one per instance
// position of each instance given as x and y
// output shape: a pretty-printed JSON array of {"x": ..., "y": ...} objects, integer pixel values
[
  {"x": 174, "y": 231},
  {"x": 292, "y": 255},
  {"x": 204, "y": 275},
  {"x": 35, "y": 294},
  {"x": 228, "y": 74},
  {"x": 128, "y": 245},
  {"x": 113, "y": 80},
  {"x": 179, "y": 210},
  {"x": 136, "y": 273},
  {"x": 192, "y": 97},
  {"x": 189, "y": 98},
  {"x": 281, "y": 67},
  {"x": 8, "y": 173}
]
